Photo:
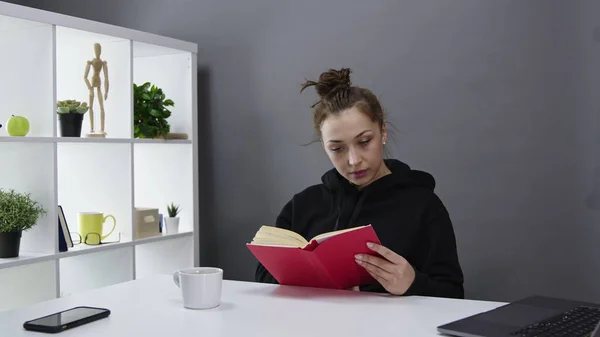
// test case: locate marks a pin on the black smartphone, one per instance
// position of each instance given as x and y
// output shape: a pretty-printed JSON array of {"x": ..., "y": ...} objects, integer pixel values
[{"x": 67, "y": 319}]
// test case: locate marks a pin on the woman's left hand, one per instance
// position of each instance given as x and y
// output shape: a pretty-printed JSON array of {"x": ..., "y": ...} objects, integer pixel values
[{"x": 392, "y": 271}]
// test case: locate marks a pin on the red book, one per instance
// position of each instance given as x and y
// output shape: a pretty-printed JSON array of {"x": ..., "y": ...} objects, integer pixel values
[{"x": 326, "y": 261}]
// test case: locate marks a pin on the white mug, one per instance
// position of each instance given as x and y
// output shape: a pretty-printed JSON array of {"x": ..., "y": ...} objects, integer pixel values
[{"x": 200, "y": 286}]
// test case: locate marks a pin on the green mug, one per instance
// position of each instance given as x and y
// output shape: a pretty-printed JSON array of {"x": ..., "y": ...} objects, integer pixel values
[{"x": 91, "y": 226}]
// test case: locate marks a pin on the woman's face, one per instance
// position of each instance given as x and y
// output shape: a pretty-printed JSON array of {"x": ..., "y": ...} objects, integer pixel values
[{"x": 354, "y": 145}]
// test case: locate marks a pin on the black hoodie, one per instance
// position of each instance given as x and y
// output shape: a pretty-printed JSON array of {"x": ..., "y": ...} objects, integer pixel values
[{"x": 404, "y": 211}]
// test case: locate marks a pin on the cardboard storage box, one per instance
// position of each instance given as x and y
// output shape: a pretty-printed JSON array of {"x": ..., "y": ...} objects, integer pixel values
[{"x": 146, "y": 223}]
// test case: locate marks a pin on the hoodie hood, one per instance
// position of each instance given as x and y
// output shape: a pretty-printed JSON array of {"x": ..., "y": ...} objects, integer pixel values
[{"x": 402, "y": 175}]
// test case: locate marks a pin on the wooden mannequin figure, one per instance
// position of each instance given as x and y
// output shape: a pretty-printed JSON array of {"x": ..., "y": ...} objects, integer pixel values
[{"x": 97, "y": 65}]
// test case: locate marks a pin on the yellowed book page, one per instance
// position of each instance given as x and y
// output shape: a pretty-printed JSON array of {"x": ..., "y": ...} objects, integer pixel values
[
  {"x": 322, "y": 237},
  {"x": 291, "y": 244},
  {"x": 278, "y": 236},
  {"x": 280, "y": 232},
  {"x": 261, "y": 238},
  {"x": 278, "y": 241}
]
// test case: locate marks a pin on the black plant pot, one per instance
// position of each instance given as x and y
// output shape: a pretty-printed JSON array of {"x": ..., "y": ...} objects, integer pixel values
[
  {"x": 10, "y": 243},
  {"x": 70, "y": 124}
]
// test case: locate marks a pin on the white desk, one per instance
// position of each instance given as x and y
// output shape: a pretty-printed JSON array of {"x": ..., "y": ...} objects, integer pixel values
[{"x": 152, "y": 307}]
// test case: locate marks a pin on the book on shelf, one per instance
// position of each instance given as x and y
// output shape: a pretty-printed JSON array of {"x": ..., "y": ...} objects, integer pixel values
[
  {"x": 324, "y": 261},
  {"x": 64, "y": 236}
]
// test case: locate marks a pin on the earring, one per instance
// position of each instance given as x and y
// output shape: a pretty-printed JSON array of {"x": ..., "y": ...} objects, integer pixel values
[{"x": 384, "y": 142}]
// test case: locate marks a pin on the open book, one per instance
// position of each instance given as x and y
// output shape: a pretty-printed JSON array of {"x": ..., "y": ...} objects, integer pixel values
[
  {"x": 324, "y": 261},
  {"x": 275, "y": 236}
]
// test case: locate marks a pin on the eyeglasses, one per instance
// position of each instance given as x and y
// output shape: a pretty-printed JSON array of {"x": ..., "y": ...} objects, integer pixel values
[{"x": 92, "y": 239}]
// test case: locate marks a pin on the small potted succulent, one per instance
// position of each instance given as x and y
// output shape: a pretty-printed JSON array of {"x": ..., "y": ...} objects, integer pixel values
[
  {"x": 172, "y": 221},
  {"x": 18, "y": 213},
  {"x": 70, "y": 117}
]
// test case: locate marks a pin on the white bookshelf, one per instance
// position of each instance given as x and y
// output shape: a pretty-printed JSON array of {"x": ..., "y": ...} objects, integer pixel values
[{"x": 43, "y": 61}]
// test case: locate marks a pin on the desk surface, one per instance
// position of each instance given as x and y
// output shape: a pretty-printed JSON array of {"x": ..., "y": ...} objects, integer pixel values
[{"x": 153, "y": 307}]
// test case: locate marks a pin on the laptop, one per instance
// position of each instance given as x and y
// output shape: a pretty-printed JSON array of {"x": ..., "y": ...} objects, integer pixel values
[{"x": 534, "y": 316}]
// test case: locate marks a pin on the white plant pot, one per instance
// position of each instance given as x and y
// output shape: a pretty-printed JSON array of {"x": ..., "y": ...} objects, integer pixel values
[{"x": 172, "y": 225}]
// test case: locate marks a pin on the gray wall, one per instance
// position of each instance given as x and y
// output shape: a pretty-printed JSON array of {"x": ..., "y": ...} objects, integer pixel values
[{"x": 496, "y": 98}]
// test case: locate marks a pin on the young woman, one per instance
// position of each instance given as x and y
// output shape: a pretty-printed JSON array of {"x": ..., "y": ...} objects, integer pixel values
[{"x": 418, "y": 243}]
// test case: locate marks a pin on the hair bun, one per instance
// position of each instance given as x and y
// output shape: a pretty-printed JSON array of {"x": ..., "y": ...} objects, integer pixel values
[{"x": 331, "y": 81}]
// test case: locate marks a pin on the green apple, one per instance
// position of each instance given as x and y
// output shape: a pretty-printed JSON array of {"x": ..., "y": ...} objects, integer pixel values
[{"x": 17, "y": 126}]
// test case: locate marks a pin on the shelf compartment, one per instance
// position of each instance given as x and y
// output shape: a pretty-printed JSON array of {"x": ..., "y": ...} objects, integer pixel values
[
  {"x": 7, "y": 139},
  {"x": 28, "y": 284},
  {"x": 83, "y": 249},
  {"x": 163, "y": 174},
  {"x": 91, "y": 271},
  {"x": 73, "y": 49},
  {"x": 89, "y": 182},
  {"x": 162, "y": 141},
  {"x": 10, "y": 24},
  {"x": 169, "y": 70},
  {"x": 29, "y": 168},
  {"x": 25, "y": 258},
  {"x": 77, "y": 250},
  {"x": 27, "y": 74},
  {"x": 164, "y": 257},
  {"x": 164, "y": 237}
]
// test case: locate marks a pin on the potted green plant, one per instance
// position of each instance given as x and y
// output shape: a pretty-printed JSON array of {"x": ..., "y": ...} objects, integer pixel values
[
  {"x": 150, "y": 112},
  {"x": 70, "y": 117},
  {"x": 172, "y": 221},
  {"x": 18, "y": 213}
]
